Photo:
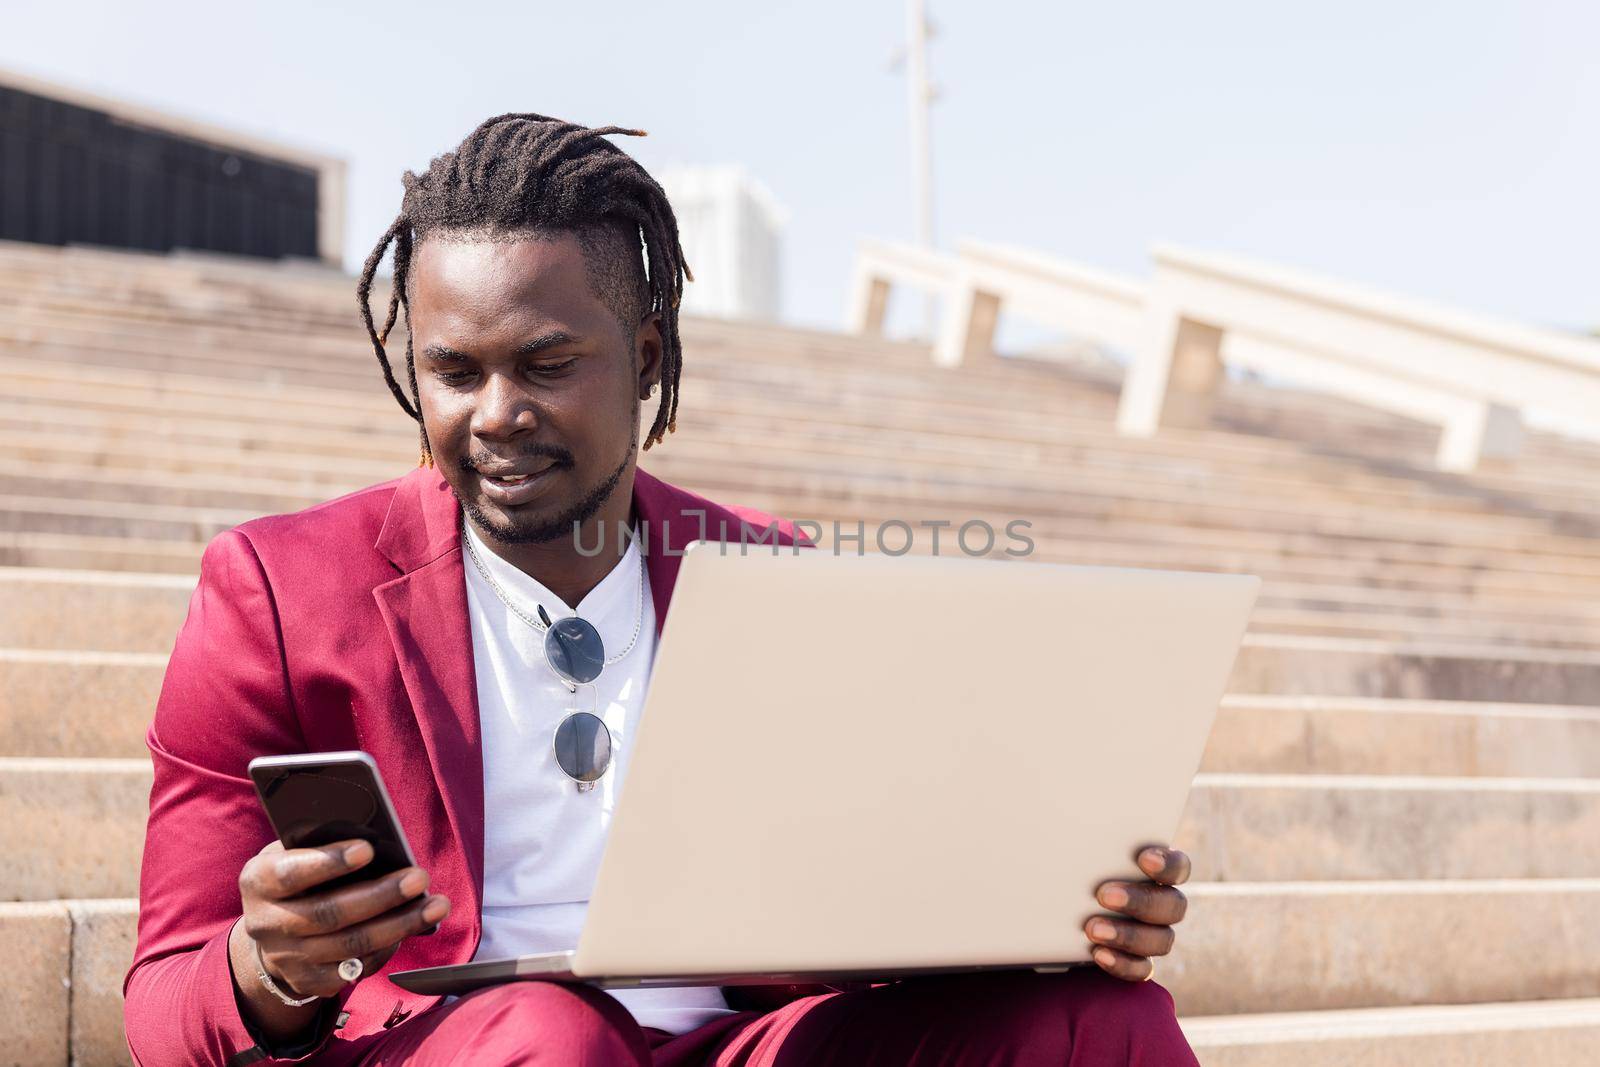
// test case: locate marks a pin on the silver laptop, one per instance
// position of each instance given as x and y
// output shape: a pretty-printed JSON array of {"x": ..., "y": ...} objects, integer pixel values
[{"x": 873, "y": 767}]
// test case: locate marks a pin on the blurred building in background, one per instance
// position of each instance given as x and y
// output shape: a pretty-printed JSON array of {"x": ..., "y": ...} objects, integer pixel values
[
  {"x": 80, "y": 169},
  {"x": 731, "y": 227}
]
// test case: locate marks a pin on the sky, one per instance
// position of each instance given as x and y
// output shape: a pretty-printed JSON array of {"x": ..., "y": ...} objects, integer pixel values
[{"x": 1449, "y": 151}]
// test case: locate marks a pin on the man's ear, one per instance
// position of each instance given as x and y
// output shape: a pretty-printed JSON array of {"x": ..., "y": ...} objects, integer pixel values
[{"x": 648, "y": 347}]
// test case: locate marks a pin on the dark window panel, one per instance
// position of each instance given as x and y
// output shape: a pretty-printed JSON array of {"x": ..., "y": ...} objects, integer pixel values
[{"x": 72, "y": 174}]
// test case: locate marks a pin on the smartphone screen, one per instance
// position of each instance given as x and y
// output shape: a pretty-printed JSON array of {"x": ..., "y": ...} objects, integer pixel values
[{"x": 321, "y": 798}]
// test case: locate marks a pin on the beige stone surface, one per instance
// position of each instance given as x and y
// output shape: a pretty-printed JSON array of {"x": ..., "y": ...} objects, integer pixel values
[
  {"x": 1563, "y": 1045},
  {"x": 62, "y": 703},
  {"x": 1328, "y": 667},
  {"x": 1472, "y": 1035},
  {"x": 1292, "y": 828},
  {"x": 103, "y": 611},
  {"x": 1332, "y": 735},
  {"x": 30, "y": 549},
  {"x": 36, "y": 945},
  {"x": 1261, "y": 947},
  {"x": 72, "y": 827},
  {"x": 103, "y": 933}
]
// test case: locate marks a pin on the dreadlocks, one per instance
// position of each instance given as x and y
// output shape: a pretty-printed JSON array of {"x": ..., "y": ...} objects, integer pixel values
[{"x": 525, "y": 174}]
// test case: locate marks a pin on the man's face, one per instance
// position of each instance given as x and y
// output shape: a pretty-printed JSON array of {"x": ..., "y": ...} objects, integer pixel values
[{"x": 529, "y": 385}]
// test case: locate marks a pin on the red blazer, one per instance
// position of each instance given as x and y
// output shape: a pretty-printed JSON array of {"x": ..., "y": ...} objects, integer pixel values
[{"x": 343, "y": 626}]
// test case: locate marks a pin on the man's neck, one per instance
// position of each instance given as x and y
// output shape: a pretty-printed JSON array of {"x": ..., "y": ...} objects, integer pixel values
[{"x": 558, "y": 565}]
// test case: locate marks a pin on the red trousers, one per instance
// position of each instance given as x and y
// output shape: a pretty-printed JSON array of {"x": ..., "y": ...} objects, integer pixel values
[{"x": 1082, "y": 1018}]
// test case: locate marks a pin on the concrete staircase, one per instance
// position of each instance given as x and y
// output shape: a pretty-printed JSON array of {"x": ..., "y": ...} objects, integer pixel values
[{"x": 1394, "y": 824}]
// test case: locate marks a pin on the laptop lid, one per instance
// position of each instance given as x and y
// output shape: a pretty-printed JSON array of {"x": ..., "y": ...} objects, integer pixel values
[{"x": 851, "y": 763}]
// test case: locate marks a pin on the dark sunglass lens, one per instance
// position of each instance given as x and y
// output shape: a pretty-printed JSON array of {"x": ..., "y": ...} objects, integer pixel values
[
  {"x": 574, "y": 650},
  {"x": 583, "y": 746}
]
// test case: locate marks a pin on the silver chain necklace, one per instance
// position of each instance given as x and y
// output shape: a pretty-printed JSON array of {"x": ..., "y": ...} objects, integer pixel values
[{"x": 540, "y": 627}]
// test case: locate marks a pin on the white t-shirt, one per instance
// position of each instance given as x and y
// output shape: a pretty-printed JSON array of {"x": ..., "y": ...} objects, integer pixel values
[{"x": 542, "y": 839}]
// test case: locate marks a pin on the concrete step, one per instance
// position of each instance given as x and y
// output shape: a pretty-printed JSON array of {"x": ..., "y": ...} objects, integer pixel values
[
  {"x": 1319, "y": 666},
  {"x": 137, "y": 516},
  {"x": 36, "y": 942},
  {"x": 215, "y": 349},
  {"x": 1143, "y": 480},
  {"x": 105, "y": 550},
  {"x": 21, "y": 548},
  {"x": 1268, "y": 734},
  {"x": 1502, "y": 616},
  {"x": 65, "y": 961},
  {"x": 138, "y": 519},
  {"x": 236, "y": 476},
  {"x": 880, "y": 494},
  {"x": 1238, "y": 828},
  {"x": 759, "y": 410},
  {"x": 1099, "y": 456},
  {"x": 52, "y": 393},
  {"x": 111, "y": 610},
  {"x": 1336, "y": 597},
  {"x": 1434, "y": 1035},
  {"x": 110, "y": 697},
  {"x": 64, "y": 618},
  {"x": 1400, "y": 626},
  {"x": 227, "y": 311},
  {"x": 1493, "y": 616},
  {"x": 268, "y": 308},
  {"x": 1292, "y": 828},
  {"x": 49, "y": 608},
  {"x": 58, "y": 703},
  {"x": 72, "y": 827},
  {"x": 1244, "y": 949},
  {"x": 1312, "y": 946},
  {"x": 802, "y": 415},
  {"x": 55, "y": 427}
]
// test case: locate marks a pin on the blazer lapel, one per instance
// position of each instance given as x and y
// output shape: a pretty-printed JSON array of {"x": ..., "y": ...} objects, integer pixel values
[
  {"x": 425, "y": 613},
  {"x": 664, "y": 533}
]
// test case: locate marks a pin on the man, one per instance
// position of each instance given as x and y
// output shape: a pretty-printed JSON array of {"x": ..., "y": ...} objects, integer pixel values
[{"x": 407, "y": 620}]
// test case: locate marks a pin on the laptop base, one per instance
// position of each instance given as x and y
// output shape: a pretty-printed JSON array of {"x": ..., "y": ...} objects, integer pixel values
[{"x": 457, "y": 979}]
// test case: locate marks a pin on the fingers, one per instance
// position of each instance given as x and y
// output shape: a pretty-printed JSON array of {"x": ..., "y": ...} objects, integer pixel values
[
  {"x": 375, "y": 935},
  {"x": 1165, "y": 865},
  {"x": 1156, "y": 904},
  {"x": 335, "y": 909},
  {"x": 1121, "y": 965},
  {"x": 319, "y": 979},
  {"x": 311, "y": 965},
  {"x": 1132, "y": 938},
  {"x": 277, "y": 876}
]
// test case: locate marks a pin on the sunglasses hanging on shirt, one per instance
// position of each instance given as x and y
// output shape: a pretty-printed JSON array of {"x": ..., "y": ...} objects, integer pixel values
[{"x": 574, "y": 653}]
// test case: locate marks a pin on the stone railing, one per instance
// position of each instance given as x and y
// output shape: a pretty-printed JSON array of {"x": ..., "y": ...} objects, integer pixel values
[{"x": 1469, "y": 375}]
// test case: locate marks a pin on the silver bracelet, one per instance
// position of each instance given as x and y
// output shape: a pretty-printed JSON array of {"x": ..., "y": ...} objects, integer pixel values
[{"x": 273, "y": 987}]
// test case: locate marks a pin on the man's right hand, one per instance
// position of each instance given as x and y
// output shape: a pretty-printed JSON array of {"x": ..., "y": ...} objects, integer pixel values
[{"x": 303, "y": 934}]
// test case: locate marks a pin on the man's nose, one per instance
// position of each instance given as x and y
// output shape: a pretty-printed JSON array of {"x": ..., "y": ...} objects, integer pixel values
[{"x": 504, "y": 408}]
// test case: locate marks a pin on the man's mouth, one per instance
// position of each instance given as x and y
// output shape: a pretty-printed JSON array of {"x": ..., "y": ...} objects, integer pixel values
[{"x": 512, "y": 486}]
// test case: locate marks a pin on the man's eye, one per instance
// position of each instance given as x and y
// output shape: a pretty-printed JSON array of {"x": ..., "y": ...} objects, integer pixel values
[
  {"x": 453, "y": 377},
  {"x": 554, "y": 368}
]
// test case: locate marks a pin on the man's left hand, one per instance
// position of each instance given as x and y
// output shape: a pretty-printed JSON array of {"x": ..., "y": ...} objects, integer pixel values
[{"x": 1144, "y": 913}]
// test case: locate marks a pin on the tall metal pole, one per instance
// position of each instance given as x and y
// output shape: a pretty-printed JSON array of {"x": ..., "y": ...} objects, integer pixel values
[{"x": 920, "y": 97}]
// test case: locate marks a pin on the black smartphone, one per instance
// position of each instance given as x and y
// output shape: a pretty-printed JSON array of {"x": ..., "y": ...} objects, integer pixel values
[{"x": 322, "y": 797}]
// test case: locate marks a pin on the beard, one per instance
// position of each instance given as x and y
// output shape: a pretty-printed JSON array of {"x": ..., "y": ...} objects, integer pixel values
[
  {"x": 569, "y": 519},
  {"x": 543, "y": 531}
]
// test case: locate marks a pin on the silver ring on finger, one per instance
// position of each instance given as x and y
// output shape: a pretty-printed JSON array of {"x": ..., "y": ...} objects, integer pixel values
[{"x": 350, "y": 969}]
